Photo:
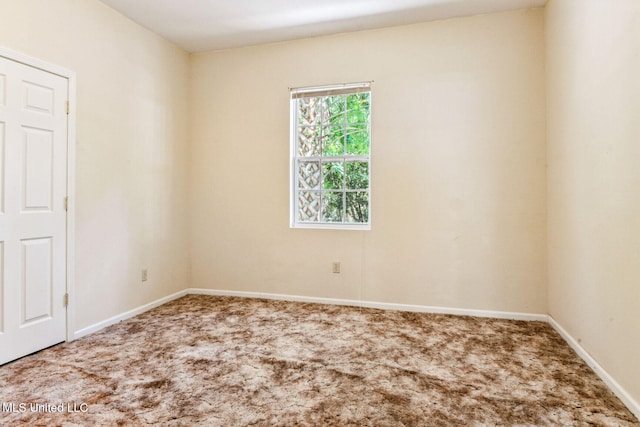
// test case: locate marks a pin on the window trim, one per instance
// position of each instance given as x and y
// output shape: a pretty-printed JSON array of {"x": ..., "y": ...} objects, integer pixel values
[{"x": 327, "y": 90}]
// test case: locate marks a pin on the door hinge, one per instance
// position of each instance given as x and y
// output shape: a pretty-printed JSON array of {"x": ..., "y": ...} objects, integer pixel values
[
  {"x": 66, "y": 203},
  {"x": 66, "y": 300},
  {"x": 67, "y": 107}
]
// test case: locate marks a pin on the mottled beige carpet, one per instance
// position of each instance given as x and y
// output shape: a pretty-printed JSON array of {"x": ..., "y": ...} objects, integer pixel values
[{"x": 220, "y": 361}]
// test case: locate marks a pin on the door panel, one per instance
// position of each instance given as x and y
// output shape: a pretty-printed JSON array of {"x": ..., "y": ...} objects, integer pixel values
[
  {"x": 1, "y": 288},
  {"x": 2, "y": 150},
  {"x": 37, "y": 98},
  {"x": 36, "y": 280},
  {"x": 33, "y": 186},
  {"x": 3, "y": 80},
  {"x": 37, "y": 181}
]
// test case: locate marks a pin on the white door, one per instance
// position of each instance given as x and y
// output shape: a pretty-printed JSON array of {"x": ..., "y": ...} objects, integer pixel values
[{"x": 33, "y": 187}]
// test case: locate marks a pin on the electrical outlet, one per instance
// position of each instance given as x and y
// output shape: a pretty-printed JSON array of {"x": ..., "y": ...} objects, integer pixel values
[
  {"x": 145, "y": 275},
  {"x": 336, "y": 267}
]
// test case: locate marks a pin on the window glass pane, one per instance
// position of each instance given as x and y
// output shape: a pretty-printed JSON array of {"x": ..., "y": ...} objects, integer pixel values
[
  {"x": 358, "y": 108},
  {"x": 309, "y": 175},
  {"x": 357, "y": 175},
  {"x": 335, "y": 107},
  {"x": 309, "y": 206},
  {"x": 309, "y": 141},
  {"x": 332, "y": 207},
  {"x": 309, "y": 111},
  {"x": 357, "y": 207},
  {"x": 333, "y": 175},
  {"x": 333, "y": 141},
  {"x": 357, "y": 138}
]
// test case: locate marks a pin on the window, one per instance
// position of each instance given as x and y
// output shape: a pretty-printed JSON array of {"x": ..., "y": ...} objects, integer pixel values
[{"x": 330, "y": 156}]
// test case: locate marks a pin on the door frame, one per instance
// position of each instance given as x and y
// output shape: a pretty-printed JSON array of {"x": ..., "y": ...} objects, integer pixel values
[{"x": 71, "y": 173}]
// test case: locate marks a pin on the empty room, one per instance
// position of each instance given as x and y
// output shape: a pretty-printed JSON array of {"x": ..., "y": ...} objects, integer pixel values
[{"x": 340, "y": 213}]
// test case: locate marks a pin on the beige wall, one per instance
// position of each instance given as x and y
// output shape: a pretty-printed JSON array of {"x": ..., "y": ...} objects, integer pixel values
[
  {"x": 594, "y": 179},
  {"x": 131, "y": 148},
  {"x": 459, "y": 203}
]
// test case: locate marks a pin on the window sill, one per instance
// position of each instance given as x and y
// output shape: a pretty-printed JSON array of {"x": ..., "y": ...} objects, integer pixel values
[{"x": 332, "y": 226}]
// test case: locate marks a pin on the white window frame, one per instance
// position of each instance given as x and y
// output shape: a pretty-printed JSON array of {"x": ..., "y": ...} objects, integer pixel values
[{"x": 301, "y": 92}]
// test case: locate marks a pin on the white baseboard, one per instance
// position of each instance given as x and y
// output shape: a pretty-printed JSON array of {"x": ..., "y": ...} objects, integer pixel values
[
  {"x": 613, "y": 385},
  {"x": 127, "y": 315},
  {"x": 371, "y": 304}
]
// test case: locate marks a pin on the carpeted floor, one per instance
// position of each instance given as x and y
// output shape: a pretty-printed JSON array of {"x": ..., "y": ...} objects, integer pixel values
[{"x": 221, "y": 361}]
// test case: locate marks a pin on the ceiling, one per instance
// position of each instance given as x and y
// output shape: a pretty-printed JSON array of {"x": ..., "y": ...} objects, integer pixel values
[{"x": 201, "y": 25}]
